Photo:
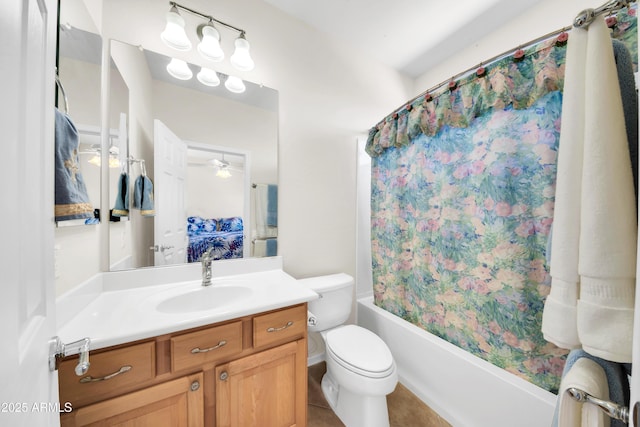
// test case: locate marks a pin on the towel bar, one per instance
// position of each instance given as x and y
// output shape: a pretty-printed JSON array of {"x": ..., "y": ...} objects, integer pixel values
[{"x": 613, "y": 410}]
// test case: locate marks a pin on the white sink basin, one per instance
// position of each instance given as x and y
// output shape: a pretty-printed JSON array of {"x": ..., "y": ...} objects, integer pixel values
[{"x": 203, "y": 298}]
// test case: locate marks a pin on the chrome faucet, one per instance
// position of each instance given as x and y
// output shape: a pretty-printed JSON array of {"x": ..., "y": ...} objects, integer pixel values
[{"x": 206, "y": 267}]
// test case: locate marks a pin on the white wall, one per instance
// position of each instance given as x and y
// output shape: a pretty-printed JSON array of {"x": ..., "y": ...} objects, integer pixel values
[{"x": 209, "y": 196}]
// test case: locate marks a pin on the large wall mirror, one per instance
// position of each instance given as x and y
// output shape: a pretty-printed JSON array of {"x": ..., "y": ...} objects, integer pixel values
[
  {"x": 210, "y": 156},
  {"x": 211, "y": 159}
]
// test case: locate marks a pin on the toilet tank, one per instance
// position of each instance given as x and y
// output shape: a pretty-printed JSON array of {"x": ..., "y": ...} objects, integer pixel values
[{"x": 334, "y": 305}]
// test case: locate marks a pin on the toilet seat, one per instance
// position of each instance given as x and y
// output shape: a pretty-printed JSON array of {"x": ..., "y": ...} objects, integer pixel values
[{"x": 359, "y": 350}]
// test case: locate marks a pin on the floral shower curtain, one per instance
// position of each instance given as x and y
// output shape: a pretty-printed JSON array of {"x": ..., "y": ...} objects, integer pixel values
[{"x": 463, "y": 185}]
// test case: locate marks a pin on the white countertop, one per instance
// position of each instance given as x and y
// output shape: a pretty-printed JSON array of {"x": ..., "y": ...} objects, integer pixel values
[{"x": 118, "y": 316}]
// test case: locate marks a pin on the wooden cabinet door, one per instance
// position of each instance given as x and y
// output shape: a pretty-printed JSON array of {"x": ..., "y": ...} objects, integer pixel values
[
  {"x": 266, "y": 389},
  {"x": 176, "y": 403}
]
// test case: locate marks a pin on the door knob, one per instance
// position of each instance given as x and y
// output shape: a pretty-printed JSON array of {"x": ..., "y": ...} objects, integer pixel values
[{"x": 160, "y": 248}]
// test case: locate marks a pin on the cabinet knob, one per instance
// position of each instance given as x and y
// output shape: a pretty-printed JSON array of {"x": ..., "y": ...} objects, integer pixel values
[
  {"x": 224, "y": 376},
  {"x": 195, "y": 386}
]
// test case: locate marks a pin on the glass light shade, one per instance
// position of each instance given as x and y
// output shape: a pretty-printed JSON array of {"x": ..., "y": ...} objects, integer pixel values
[
  {"x": 241, "y": 59},
  {"x": 223, "y": 173},
  {"x": 209, "y": 46},
  {"x": 114, "y": 162},
  {"x": 174, "y": 35},
  {"x": 234, "y": 84},
  {"x": 208, "y": 77},
  {"x": 95, "y": 160},
  {"x": 179, "y": 69}
]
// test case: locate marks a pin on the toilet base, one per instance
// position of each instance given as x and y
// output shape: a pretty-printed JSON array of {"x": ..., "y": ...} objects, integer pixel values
[
  {"x": 315, "y": 348},
  {"x": 355, "y": 410}
]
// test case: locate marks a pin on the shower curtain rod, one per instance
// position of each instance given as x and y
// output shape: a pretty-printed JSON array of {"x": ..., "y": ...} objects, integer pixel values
[
  {"x": 587, "y": 16},
  {"x": 583, "y": 19}
]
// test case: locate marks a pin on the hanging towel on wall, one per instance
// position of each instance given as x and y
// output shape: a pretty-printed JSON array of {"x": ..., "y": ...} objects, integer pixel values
[
  {"x": 71, "y": 197},
  {"x": 627, "y": 83},
  {"x": 265, "y": 247},
  {"x": 272, "y": 205},
  {"x": 588, "y": 376},
  {"x": 266, "y": 202},
  {"x": 143, "y": 196},
  {"x": 121, "y": 207},
  {"x": 272, "y": 247},
  {"x": 594, "y": 233}
]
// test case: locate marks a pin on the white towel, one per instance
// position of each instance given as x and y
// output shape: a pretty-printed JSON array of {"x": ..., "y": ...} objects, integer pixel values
[
  {"x": 594, "y": 235},
  {"x": 263, "y": 230},
  {"x": 260, "y": 248},
  {"x": 559, "y": 324},
  {"x": 588, "y": 376}
]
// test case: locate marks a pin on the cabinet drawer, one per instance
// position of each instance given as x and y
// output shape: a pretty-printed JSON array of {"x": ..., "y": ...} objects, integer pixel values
[
  {"x": 196, "y": 348},
  {"x": 111, "y": 372},
  {"x": 279, "y": 326}
]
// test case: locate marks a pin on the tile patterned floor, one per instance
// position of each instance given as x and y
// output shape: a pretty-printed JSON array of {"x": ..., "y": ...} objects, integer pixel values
[{"x": 405, "y": 409}]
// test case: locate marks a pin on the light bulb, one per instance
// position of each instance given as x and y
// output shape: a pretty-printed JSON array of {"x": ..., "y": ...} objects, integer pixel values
[
  {"x": 241, "y": 59},
  {"x": 174, "y": 35},
  {"x": 223, "y": 173},
  {"x": 114, "y": 162},
  {"x": 179, "y": 69},
  {"x": 95, "y": 160},
  {"x": 208, "y": 77},
  {"x": 234, "y": 84},
  {"x": 209, "y": 46}
]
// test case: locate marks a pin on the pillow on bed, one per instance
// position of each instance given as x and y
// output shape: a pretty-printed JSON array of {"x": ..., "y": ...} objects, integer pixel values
[
  {"x": 194, "y": 224},
  {"x": 210, "y": 225},
  {"x": 197, "y": 225},
  {"x": 230, "y": 224}
]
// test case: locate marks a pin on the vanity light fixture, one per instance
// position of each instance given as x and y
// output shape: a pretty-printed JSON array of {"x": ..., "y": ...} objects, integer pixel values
[
  {"x": 179, "y": 69},
  {"x": 209, "y": 46},
  {"x": 208, "y": 77},
  {"x": 222, "y": 165},
  {"x": 175, "y": 37},
  {"x": 241, "y": 59},
  {"x": 234, "y": 84},
  {"x": 174, "y": 34},
  {"x": 96, "y": 160},
  {"x": 113, "y": 161},
  {"x": 223, "y": 173}
]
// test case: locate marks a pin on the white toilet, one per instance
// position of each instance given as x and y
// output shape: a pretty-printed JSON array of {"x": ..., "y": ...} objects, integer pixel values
[{"x": 360, "y": 368}]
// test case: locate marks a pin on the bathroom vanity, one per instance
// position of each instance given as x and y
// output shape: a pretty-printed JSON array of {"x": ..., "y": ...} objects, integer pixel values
[{"x": 239, "y": 363}]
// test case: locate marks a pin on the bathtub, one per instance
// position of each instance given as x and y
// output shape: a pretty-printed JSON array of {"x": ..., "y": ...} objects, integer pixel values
[{"x": 464, "y": 389}]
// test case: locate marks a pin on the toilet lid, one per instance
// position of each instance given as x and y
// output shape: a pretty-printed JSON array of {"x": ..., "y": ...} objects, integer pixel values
[{"x": 360, "y": 350}]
